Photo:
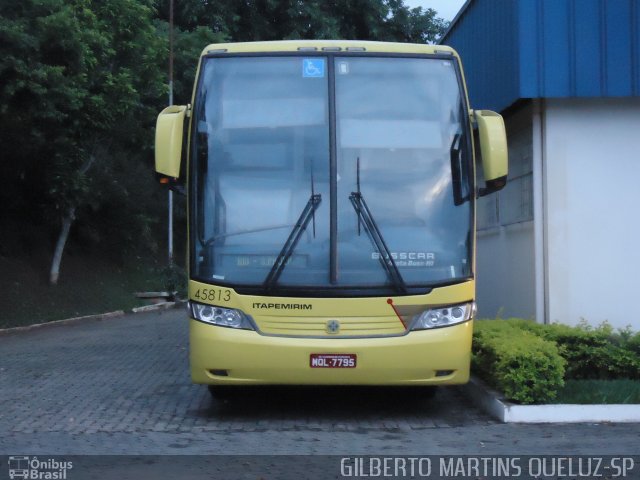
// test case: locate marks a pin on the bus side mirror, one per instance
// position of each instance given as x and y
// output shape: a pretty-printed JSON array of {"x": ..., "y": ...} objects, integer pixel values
[
  {"x": 169, "y": 128},
  {"x": 493, "y": 147}
]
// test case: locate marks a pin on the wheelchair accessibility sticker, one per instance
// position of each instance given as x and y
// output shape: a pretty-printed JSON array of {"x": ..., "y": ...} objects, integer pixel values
[{"x": 313, "y": 67}]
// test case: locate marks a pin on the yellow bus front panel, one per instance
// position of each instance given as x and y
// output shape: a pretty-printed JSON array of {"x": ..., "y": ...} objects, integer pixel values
[{"x": 226, "y": 356}]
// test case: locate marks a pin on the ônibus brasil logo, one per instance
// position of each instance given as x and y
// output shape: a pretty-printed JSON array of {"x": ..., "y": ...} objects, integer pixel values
[{"x": 32, "y": 468}]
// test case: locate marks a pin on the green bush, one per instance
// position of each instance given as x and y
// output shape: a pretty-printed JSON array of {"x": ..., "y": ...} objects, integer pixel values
[
  {"x": 524, "y": 366},
  {"x": 591, "y": 353}
]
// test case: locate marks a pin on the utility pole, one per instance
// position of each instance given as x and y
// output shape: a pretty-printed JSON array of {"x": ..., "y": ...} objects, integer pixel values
[{"x": 170, "y": 227}]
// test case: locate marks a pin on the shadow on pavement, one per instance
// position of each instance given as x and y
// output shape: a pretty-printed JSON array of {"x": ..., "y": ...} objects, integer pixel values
[{"x": 337, "y": 403}]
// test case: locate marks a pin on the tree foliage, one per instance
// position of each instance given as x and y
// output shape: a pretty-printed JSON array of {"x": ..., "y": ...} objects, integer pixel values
[
  {"x": 188, "y": 45},
  {"x": 253, "y": 20},
  {"x": 78, "y": 79}
]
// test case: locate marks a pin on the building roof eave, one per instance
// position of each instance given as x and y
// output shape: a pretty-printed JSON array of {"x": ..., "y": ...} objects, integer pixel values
[{"x": 454, "y": 21}]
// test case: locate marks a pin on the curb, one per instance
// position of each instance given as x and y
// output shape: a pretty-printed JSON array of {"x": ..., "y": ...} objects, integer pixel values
[
  {"x": 86, "y": 318},
  {"x": 155, "y": 306},
  {"x": 495, "y": 405}
]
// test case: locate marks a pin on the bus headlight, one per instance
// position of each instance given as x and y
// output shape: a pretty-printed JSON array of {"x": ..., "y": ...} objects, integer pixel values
[
  {"x": 443, "y": 317},
  {"x": 224, "y": 317}
]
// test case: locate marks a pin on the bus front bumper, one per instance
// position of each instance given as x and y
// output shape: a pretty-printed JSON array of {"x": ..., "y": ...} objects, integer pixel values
[{"x": 227, "y": 356}]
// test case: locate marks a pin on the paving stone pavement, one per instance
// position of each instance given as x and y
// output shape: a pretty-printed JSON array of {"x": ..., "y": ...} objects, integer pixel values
[
  {"x": 122, "y": 386},
  {"x": 131, "y": 374}
]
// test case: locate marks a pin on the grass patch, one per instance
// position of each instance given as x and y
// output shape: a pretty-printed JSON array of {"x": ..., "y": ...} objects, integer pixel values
[
  {"x": 599, "y": 392},
  {"x": 88, "y": 285}
]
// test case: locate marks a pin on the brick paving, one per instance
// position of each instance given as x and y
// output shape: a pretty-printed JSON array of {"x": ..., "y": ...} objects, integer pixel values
[{"x": 131, "y": 374}]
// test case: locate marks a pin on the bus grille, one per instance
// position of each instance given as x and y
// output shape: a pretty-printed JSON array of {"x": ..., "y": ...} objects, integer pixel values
[{"x": 327, "y": 327}]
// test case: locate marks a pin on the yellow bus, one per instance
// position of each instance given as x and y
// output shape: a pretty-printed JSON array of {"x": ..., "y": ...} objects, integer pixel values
[{"x": 331, "y": 204}]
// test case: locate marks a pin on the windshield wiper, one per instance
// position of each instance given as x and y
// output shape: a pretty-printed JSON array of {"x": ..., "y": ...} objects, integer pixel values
[
  {"x": 294, "y": 237},
  {"x": 456, "y": 170},
  {"x": 375, "y": 235}
]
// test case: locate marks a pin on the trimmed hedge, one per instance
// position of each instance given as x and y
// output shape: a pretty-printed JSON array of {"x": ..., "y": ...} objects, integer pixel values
[
  {"x": 525, "y": 367},
  {"x": 529, "y": 361},
  {"x": 591, "y": 353}
]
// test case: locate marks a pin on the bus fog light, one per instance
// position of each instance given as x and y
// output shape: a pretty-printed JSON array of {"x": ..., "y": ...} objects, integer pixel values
[
  {"x": 443, "y": 317},
  {"x": 225, "y": 317}
]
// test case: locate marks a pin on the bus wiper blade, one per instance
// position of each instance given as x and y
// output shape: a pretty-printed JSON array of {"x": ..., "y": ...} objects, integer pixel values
[
  {"x": 294, "y": 237},
  {"x": 365, "y": 217}
]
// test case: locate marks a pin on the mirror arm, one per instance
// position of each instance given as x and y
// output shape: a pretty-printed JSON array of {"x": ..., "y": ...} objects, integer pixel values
[
  {"x": 174, "y": 184},
  {"x": 178, "y": 189},
  {"x": 492, "y": 186}
]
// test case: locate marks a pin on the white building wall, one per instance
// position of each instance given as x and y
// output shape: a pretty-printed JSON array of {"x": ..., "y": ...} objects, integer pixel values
[
  {"x": 505, "y": 266},
  {"x": 592, "y": 208},
  {"x": 505, "y": 249}
]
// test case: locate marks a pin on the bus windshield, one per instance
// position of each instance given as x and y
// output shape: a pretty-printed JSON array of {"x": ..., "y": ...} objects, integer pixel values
[{"x": 329, "y": 173}]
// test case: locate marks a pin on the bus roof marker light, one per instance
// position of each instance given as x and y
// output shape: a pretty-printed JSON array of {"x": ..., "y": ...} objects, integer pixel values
[
  {"x": 307, "y": 49},
  {"x": 331, "y": 49},
  {"x": 217, "y": 50},
  {"x": 356, "y": 49}
]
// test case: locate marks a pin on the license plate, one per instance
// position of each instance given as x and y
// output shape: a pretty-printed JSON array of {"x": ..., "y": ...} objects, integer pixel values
[{"x": 332, "y": 360}]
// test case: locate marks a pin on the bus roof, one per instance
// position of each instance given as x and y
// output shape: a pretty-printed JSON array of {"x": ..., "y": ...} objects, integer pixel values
[{"x": 326, "y": 45}]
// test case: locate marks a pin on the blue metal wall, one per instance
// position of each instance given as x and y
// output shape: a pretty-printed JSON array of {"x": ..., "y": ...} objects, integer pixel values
[{"x": 514, "y": 49}]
